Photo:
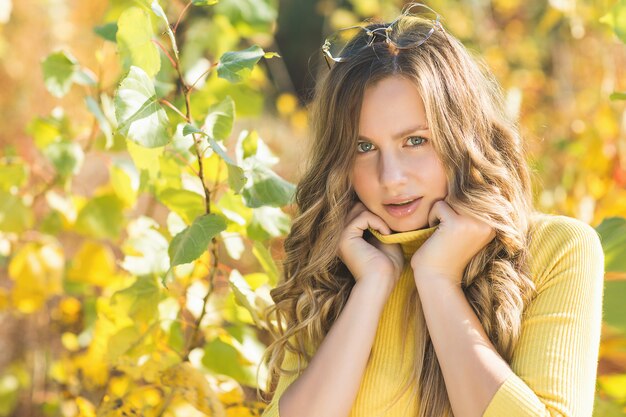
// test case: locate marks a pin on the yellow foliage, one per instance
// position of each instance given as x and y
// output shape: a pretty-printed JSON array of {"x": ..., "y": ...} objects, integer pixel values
[
  {"x": 193, "y": 386},
  {"x": 70, "y": 341},
  {"x": 37, "y": 270},
  {"x": 85, "y": 407},
  {"x": 286, "y": 103},
  {"x": 94, "y": 263},
  {"x": 299, "y": 119}
]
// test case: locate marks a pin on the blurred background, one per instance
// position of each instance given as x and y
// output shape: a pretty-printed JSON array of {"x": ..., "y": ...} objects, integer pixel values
[{"x": 103, "y": 310}]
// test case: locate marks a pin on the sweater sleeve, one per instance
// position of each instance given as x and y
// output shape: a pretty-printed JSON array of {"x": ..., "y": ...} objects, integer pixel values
[
  {"x": 555, "y": 362},
  {"x": 290, "y": 361}
]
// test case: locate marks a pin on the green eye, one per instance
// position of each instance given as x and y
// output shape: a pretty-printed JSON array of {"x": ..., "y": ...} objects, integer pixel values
[
  {"x": 421, "y": 140},
  {"x": 362, "y": 150}
]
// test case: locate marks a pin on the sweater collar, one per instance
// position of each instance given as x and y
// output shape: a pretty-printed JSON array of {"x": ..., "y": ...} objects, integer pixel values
[{"x": 409, "y": 241}]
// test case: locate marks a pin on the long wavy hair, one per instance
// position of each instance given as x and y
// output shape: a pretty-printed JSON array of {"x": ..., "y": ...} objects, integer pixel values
[{"x": 488, "y": 178}]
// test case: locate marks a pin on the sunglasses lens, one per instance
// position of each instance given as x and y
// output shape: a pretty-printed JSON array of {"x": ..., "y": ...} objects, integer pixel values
[
  {"x": 422, "y": 21},
  {"x": 416, "y": 24},
  {"x": 344, "y": 42}
]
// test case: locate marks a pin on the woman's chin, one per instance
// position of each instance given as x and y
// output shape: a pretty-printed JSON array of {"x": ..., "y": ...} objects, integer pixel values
[{"x": 399, "y": 228}]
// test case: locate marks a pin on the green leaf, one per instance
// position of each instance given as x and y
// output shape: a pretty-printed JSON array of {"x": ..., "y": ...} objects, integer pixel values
[
  {"x": 219, "y": 121},
  {"x": 145, "y": 248},
  {"x": 13, "y": 173},
  {"x": 616, "y": 19},
  {"x": 105, "y": 125},
  {"x": 101, "y": 217},
  {"x": 188, "y": 245},
  {"x": 267, "y": 189},
  {"x": 145, "y": 159},
  {"x": 244, "y": 295},
  {"x": 614, "y": 309},
  {"x": 158, "y": 10},
  {"x": 247, "y": 144},
  {"x": 140, "y": 117},
  {"x": 249, "y": 16},
  {"x": 108, "y": 31},
  {"x": 234, "y": 66},
  {"x": 15, "y": 216},
  {"x": 612, "y": 232},
  {"x": 140, "y": 301},
  {"x": 185, "y": 203},
  {"x": 204, "y": 2},
  {"x": 618, "y": 96},
  {"x": 222, "y": 357},
  {"x": 267, "y": 262},
  {"x": 190, "y": 129},
  {"x": 268, "y": 222},
  {"x": 236, "y": 176},
  {"x": 67, "y": 157},
  {"x": 134, "y": 40},
  {"x": 58, "y": 72}
]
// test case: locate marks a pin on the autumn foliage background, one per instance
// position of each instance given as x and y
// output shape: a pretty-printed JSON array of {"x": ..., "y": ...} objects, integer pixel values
[{"x": 148, "y": 156}]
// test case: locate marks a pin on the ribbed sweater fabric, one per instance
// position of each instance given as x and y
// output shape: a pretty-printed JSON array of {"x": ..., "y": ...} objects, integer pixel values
[{"x": 556, "y": 358}]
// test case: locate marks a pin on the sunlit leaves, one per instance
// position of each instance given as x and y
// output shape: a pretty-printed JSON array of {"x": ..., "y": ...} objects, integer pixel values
[
  {"x": 15, "y": 216},
  {"x": 101, "y": 217},
  {"x": 138, "y": 113},
  {"x": 192, "y": 385},
  {"x": 267, "y": 262},
  {"x": 37, "y": 271},
  {"x": 187, "y": 204},
  {"x": 267, "y": 188},
  {"x": 223, "y": 355},
  {"x": 616, "y": 19},
  {"x": 268, "y": 222},
  {"x": 107, "y": 31},
  {"x": 66, "y": 157},
  {"x": 60, "y": 70},
  {"x": 219, "y": 121},
  {"x": 189, "y": 244},
  {"x": 250, "y": 16},
  {"x": 613, "y": 236},
  {"x": 217, "y": 126},
  {"x": 204, "y": 2},
  {"x": 134, "y": 40},
  {"x": 235, "y": 66},
  {"x": 145, "y": 248},
  {"x": 13, "y": 173},
  {"x": 103, "y": 122},
  {"x": 140, "y": 300},
  {"x": 617, "y": 96},
  {"x": 94, "y": 263},
  {"x": 158, "y": 10}
]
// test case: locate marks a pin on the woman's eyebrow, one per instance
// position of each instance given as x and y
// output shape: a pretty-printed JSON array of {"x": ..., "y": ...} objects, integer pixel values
[{"x": 403, "y": 133}]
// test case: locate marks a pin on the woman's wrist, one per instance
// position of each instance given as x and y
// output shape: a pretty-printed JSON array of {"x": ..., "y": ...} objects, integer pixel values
[{"x": 378, "y": 285}]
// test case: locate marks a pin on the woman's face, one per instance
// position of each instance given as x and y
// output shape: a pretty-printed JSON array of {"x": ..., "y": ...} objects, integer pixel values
[{"x": 395, "y": 160}]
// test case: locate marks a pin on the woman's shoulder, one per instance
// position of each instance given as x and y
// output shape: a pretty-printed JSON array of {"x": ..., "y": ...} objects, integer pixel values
[
  {"x": 562, "y": 240},
  {"x": 560, "y": 228}
]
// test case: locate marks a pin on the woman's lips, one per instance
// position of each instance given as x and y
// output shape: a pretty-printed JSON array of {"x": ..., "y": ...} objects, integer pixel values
[{"x": 404, "y": 210}]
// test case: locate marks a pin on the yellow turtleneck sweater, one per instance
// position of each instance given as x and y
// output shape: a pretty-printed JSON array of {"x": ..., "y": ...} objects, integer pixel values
[{"x": 555, "y": 360}]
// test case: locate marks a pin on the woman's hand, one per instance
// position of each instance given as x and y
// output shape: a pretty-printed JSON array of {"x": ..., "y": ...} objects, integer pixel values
[
  {"x": 455, "y": 242},
  {"x": 371, "y": 260}
]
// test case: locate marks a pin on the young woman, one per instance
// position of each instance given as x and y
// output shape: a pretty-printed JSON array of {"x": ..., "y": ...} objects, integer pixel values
[{"x": 418, "y": 279}]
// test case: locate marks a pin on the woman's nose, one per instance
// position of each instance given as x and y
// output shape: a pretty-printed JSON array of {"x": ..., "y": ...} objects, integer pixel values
[{"x": 392, "y": 171}]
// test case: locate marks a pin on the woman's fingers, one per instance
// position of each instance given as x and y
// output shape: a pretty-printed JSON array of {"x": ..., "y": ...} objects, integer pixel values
[{"x": 364, "y": 220}]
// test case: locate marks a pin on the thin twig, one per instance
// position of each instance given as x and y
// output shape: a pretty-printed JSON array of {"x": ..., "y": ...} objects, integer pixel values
[
  {"x": 180, "y": 17},
  {"x": 171, "y": 106},
  {"x": 157, "y": 43}
]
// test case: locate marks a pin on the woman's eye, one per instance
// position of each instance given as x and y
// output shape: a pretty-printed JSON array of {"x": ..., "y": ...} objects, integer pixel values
[
  {"x": 367, "y": 147},
  {"x": 419, "y": 142}
]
